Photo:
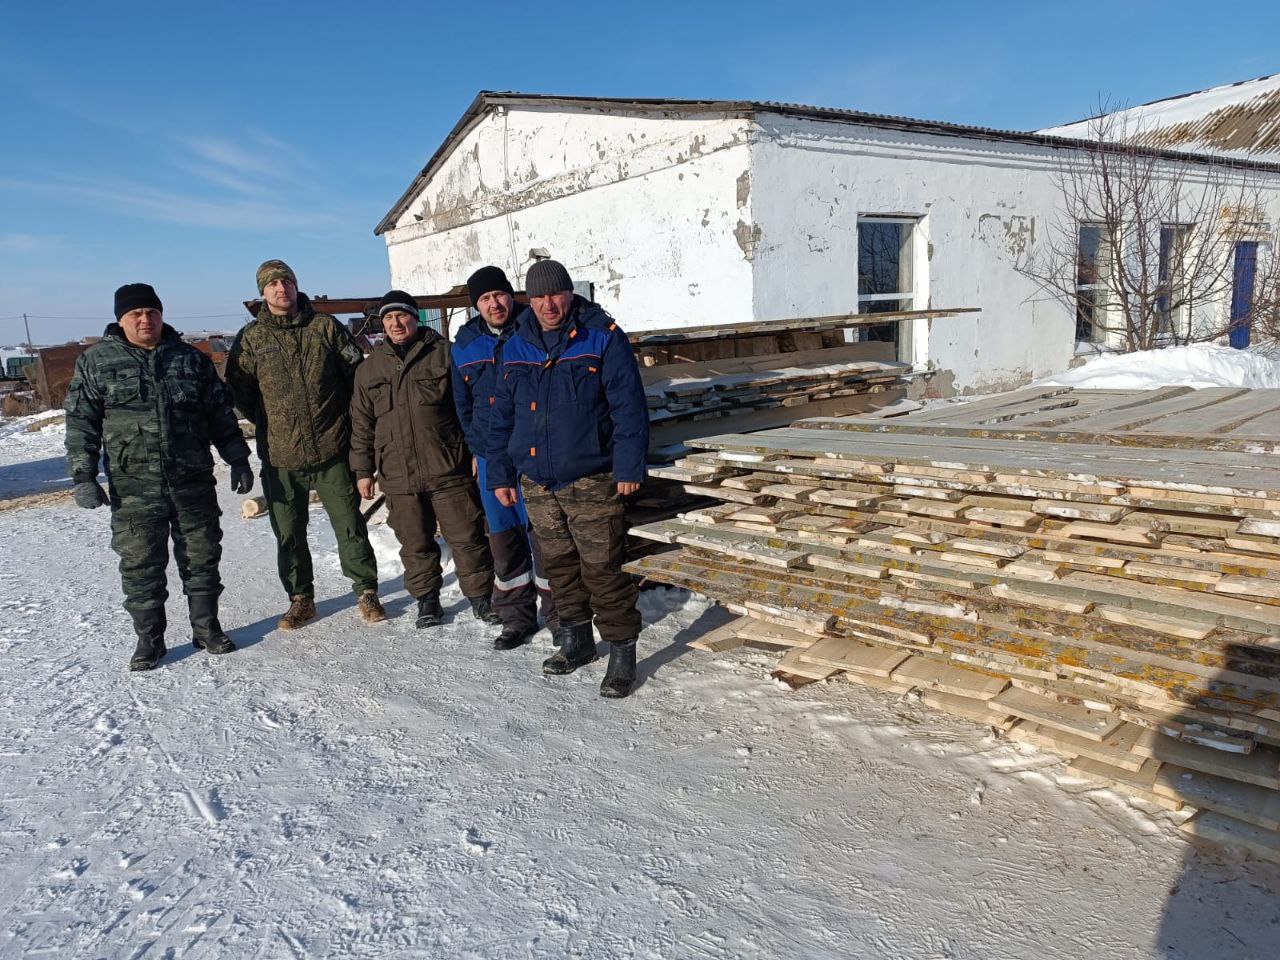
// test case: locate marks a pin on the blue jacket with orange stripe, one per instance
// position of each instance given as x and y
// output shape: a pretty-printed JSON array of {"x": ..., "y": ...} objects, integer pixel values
[
  {"x": 477, "y": 353},
  {"x": 577, "y": 411}
]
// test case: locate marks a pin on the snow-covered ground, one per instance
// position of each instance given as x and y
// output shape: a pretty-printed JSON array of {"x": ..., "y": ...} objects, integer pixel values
[{"x": 355, "y": 791}]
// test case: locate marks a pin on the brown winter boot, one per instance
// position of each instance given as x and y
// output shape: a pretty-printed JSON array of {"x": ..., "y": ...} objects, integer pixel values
[
  {"x": 301, "y": 611},
  {"x": 370, "y": 607}
]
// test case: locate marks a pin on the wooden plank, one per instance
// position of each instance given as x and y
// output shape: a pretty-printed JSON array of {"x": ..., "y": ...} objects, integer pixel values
[
  {"x": 1139, "y": 783},
  {"x": 1076, "y": 746},
  {"x": 1261, "y": 767},
  {"x": 1152, "y": 621},
  {"x": 967, "y": 411},
  {"x": 1227, "y": 831},
  {"x": 971, "y": 708},
  {"x": 855, "y": 657},
  {"x": 1249, "y": 587},
  {"x": 1262, "y": 528},
  {"x": 1100, "y": 512},
  {"x": 791, "y": 663},
  {"x": 721, "y": 638},
  {"x": 1152, "y": 408},
  {"x": 1226, "y": 415},
  {"x": 1011, "y": 593},
  {"x": 1079, "y": 721},
  {"x": 1115, "y": 533},
  {"x": 935, "y": 675},
  {"x": 1248, "y": 802}
]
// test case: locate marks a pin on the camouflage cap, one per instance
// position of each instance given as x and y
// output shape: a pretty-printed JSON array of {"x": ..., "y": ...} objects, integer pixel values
[{"x": 275, "y": 270}]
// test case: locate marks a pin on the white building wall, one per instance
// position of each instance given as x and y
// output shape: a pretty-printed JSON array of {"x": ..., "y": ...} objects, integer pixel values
[
  {"x": 647, "y": 207},
  {"x": 979, "y": 204},
  {"x": 694, "y": 218}
]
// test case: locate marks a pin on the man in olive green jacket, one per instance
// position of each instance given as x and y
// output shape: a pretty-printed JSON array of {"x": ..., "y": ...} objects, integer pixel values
[
  {"x": 405, "y": 432},
  {"x": 149, "y": 405},
  {"x": 291, "y": 371}
]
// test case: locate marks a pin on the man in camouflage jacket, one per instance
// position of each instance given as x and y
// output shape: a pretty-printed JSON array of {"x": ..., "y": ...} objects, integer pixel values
[
  {"x": 149, "y": 405},
  {"x": 291, "y": 371}
]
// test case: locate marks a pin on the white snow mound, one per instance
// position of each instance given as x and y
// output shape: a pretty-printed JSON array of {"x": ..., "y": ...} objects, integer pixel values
[{"x": 1198, "y": 365}]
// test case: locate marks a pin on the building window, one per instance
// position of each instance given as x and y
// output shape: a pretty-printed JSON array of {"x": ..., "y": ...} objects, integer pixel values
[
  {"x": 1171, "y": 293},
  {"x": 1093, "y": 273},
  {"x": 886, "y": 251}
]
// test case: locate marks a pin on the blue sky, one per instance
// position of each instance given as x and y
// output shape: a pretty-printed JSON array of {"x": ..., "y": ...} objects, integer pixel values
[{"x": 181, "y": 144}]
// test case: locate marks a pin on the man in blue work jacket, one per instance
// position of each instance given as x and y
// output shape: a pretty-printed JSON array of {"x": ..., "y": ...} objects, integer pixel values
[
  {"x": 571, "y": 427},
  {"x": 477, "y": 357}
]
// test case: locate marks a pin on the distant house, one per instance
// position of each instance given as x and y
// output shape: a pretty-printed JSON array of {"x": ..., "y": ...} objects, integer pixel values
[{"x": 689, "y": 212}]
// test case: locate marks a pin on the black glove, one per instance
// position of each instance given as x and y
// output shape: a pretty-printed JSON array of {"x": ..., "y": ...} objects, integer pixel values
[
  {"x": 89, "y": 494},
  {"x": 241, "y": 477}
]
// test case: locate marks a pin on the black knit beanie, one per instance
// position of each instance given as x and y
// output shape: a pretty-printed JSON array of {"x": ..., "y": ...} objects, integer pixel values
[
  {"x": 547, "y": 277},
  {"x": 397, "y": 300},
  {"x": 486, "y": 280},
  {"x": 134, "y": 296}
]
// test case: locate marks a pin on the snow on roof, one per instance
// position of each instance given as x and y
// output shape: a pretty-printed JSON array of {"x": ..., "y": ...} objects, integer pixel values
[{"x": 1239, "y": 120}]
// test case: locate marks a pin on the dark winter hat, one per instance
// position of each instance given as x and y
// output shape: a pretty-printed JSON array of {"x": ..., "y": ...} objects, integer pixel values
[
  {"x": 546, "y": 277},
  {"x": 134, "y": 296},
  {"x": 274, "y": 270},
  {"x": 397, "y": 300},
  {"x": 486, "y": 280}
]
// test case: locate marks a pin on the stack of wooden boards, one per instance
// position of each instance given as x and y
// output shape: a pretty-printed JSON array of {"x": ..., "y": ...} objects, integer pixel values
[{"x": 1111, "y": 594}]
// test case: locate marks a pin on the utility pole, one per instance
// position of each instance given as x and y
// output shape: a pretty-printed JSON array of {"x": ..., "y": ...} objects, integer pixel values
[{"x": 27, "y": 326}]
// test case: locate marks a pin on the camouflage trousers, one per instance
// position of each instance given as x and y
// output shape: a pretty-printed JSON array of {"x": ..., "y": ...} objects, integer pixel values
[
  {"x": 144, "y": 516},
  {"x": 582, "y": 534}
]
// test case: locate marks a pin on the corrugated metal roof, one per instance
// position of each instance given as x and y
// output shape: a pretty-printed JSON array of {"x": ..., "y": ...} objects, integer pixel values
[
  {"x": 487, "y": 100},
  {"x": 1238, "y": 120}
]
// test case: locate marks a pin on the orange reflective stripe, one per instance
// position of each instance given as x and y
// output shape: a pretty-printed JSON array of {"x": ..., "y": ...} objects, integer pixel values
[
  {"x": 572, "y": 334},
  {"x": 533, "y": 451},
  {"x": 613, "y": 326},
  {"x": 592, "y": 369},
  {"x": 533, "y": 405},
  {"x": 491, "y": 401}
]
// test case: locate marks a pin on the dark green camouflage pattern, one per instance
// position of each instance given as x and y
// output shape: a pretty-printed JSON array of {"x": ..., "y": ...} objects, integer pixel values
[
  {"x": 151, "y": 416},
  {"x": 291, "y": 377}
]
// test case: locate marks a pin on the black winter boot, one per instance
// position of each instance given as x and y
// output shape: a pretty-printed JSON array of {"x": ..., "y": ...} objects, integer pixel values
[
  {"x": 482, "y": 610},
  {"x": 430, "y": 613},
  {"x": 513, "y": 636},
  {"x": 577, "y": 649},
  {"x": 620, "y": 676},
  {"x": 149, "y": 626},
  {"x": 206, "y": 631}
]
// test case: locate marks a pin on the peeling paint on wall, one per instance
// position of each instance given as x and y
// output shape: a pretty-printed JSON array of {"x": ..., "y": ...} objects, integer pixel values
[
  {"x": 1015, "y": 234},
  {"x": 748, "y": 236},
  {"x": 744, "y": 188}
]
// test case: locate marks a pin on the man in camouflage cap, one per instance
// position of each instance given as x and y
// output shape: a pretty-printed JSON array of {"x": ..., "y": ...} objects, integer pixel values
[
  {"x": 149, "y": 405},
  {"x": 291, "y": 370}
]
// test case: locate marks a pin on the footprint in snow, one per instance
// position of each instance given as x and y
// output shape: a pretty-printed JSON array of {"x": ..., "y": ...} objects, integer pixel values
[{"x": 474, "y": 845}]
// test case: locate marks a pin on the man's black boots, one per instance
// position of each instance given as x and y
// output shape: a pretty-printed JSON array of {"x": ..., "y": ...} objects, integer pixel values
[
  {"x": 514, "y": 635},
  {"x": 149, "y": 626},
  {"x": 430, "y": 613},
  {"x": 206, "y": 631},
  {"x": 482, "y": 610},
  {"x": 620, "y": 676},
  {"x": 577, "y": 649}
]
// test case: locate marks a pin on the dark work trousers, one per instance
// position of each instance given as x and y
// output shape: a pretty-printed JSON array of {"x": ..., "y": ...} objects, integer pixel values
[
  {"x": 582, "y": 534},
  {"x": 288, "y": 494},
  {"x": 518, "y": 581},
  {"x": 144, "y": 515},
  {"x": 456, "y": 507}
]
